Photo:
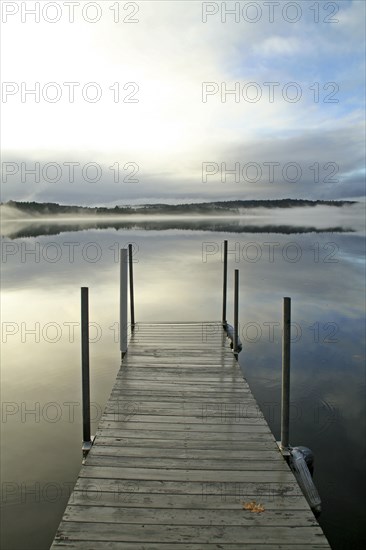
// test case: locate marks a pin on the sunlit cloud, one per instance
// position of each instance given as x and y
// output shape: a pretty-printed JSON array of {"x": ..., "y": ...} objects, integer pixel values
[{"x": 307, "y": 76}]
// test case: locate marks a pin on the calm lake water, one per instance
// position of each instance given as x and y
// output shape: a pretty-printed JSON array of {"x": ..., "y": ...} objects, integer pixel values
[{"x": 178, "y": 277}]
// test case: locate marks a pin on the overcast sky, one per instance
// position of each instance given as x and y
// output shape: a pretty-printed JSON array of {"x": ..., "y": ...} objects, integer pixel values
[{"x": 150, "y": 117}]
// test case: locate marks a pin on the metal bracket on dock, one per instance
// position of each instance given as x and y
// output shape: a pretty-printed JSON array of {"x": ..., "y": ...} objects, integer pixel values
[
  {"x": 301, "y": 464},
  {"x": 230, "y": 332},
  {"x": 87, "y": 445},
  {"x": 285, "y": 451},
  {"x": 300, "y": 460}
]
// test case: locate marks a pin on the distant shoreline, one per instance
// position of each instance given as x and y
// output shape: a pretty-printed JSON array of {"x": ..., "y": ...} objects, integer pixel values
[{"x": 217, "y": 208}]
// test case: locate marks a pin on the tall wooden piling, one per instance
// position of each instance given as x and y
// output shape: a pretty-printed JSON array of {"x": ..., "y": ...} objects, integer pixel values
[
  {"x": 85, "y": 366},
  {"x": 285, "y": 398},
  {"x": 123, "y": 319}
]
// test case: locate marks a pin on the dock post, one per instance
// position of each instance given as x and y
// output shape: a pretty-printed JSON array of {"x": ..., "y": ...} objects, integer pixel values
[
  {"x": 285, "y": 397},
  {"x": 123, "y": 302},
  {"x": 224, "y": 297},
  {"x": 87, "y": 439},
  {"x": 236, "y": 312},
  {"x": 132, "y": 301}
]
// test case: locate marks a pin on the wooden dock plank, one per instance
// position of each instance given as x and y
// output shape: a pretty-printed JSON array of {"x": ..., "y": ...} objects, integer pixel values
[
  {"x": 184, "y": 516},
  {"x": 129, "y": 490},
  {"x": 86, "y": 496},
  {"x": 183, "y": 463},
  {"x": 180, "y": 533},
  {"x": 194, "y": 454},
  {"x": 180, "y": 446},
  {"x": 186, "y": 474},
  {"x": 107, "y": 545},
  {"x": 194, "y": 436},
  {"x": 175, "y": 446},
  {"x": 240, "y": 409}
]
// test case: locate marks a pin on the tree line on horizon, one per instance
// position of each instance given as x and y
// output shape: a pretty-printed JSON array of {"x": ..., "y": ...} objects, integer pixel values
[{"x": 231, "y": 206}]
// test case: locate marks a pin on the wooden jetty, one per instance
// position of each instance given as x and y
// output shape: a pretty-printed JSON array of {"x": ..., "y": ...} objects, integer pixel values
[
  {"x": 183, "y": 457},
  {"x": 182, "y": 446}
]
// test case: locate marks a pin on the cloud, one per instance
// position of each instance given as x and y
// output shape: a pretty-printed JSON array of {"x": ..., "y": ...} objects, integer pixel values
[{"x": 169, "y": 54}]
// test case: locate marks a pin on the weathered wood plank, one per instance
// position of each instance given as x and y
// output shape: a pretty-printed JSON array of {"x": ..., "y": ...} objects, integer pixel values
[
  {"x": 181, "y": 397},
  {"x": 256, "y": 427},
  {"x": 249, "y": 408},
  {"x": 107, "y": 545},
  {"x": 187, "y": 436},
  {"x": 185, "y": 463},
  {"x": 165, "y": 533},
  {"x": 202, "y": 476},
  {"x": 195, "y": 454},
  {"x": 87, "y": 496},
  {"x": 126, "y": 489},
  {"x": 129, "y": 415},
  {"x": 193, "y": 394},
  {"x": 209, "y": 374},
  {"x": 181, "y": 382},
  {"x": 163, "y": 362},
  {"x": 147, "y": 375},
  {"x": 259, "y": 443},
  {"x": 183, "y": 516}
]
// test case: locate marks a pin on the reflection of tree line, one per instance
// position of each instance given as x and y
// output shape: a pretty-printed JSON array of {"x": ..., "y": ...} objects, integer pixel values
[{"x": 36, "y": 230}]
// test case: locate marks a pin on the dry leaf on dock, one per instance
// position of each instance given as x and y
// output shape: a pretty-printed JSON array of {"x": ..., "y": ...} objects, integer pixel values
[{"x": 253, "y": 507}]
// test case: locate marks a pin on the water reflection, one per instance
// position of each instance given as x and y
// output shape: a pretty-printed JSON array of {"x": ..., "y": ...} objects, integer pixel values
[
  {"x": 178, "y": 274},
  {"x": 36, "y": 229}
]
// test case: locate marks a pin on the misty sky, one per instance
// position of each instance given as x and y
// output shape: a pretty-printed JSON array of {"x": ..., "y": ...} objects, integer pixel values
[{"x": 158, "y": 101}]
